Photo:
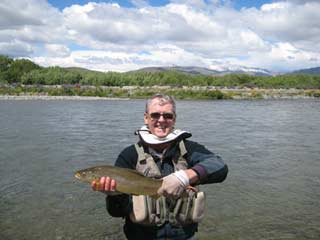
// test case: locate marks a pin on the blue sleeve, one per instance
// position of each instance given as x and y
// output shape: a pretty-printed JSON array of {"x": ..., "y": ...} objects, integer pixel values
[{"x": 209, "y": 166}]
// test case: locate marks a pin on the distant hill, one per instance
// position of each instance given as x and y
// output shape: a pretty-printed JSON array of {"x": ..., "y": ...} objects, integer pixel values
[
  {"x": 187, "y": 70},
  {"x": 220, "y": 71},
  {"x": 192, "y": 70},
  {"x": 315, "y": 70},
  {"x": 80, "y": 70}
]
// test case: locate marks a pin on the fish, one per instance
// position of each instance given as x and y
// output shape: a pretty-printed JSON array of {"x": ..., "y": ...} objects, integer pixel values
[{"x": 128, "y": 181}]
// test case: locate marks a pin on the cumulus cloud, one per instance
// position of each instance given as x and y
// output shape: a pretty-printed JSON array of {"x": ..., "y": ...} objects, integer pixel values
[
  {"x": 103, "y": 26},
  {"x": 109, "y": 23},
  {"x": 140, "y": 3},
  {"x": 292, "y": 31},
  {"x": 302, "y": 1},
  {"x": 57, "y": 50},
  {"x": 285, "y": 21},
  {"x": 281, "y": 57},
  {"x": 282, "y": 35},
  {"x": 16, "y": 14},
  {"x": 26, "y": 24},
  {"x": 15, "y": 49},
  {"x": 99, "y": 60}
]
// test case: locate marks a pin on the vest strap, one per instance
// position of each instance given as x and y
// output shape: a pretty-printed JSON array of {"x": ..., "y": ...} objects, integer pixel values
[
  {"x": 161, "y": 210},
  {"x": 183, "y": 150},
  {"x": 140, "y": 151},
  {"x": 145, "y": 164}
]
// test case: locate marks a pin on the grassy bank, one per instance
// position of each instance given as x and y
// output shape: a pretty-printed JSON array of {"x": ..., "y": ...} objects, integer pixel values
[
  {"x": 26, "y": 72},
  {"x": 134, "y": 92},
  {"x": 22, "y": 77}
]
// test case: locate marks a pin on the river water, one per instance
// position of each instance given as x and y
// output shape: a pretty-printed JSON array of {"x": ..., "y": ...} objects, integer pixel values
[{"x": 272, "y": 148}]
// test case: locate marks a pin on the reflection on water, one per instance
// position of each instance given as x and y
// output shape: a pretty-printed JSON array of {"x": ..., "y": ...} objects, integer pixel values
[{"x": 271, "y": 147}]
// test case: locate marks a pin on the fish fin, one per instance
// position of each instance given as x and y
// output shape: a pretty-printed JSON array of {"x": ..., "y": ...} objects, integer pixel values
[{"x": 156, "y": 196}]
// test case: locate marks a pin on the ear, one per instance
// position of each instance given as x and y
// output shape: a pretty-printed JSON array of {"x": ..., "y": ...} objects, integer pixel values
[{"x": 146, "y": 118}]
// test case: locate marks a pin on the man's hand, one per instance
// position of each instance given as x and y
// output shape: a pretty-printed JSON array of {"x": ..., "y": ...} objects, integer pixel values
[
  {"x": 174, "y": 184},
  {"x": 106, "y": 185}
]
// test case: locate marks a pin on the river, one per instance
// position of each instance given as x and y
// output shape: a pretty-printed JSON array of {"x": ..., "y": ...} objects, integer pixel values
[{"x": 272, "y": 148}]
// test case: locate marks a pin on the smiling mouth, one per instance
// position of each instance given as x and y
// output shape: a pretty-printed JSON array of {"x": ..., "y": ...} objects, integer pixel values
[{"x": 162, "y": 127}]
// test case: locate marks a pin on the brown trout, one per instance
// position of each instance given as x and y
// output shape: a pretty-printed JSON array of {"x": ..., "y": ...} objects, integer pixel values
[{"x": 128, "y": 181}]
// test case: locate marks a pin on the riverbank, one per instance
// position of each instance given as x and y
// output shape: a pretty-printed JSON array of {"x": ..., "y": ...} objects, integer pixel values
[
  {"x": 75, "y": 92},
  {"x": 261, "y": 93},
  {"x": 39, "y": 97}
]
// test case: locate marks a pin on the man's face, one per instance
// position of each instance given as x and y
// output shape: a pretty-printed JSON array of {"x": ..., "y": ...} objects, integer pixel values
[{"x": 161, "y": 125}]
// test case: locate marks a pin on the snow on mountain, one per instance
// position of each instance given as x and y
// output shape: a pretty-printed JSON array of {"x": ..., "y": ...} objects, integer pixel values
[{"x": 213, "y": 70}]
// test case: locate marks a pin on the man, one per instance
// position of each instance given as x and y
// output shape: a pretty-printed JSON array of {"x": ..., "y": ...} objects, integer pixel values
[{"x": 164, "y": 152}]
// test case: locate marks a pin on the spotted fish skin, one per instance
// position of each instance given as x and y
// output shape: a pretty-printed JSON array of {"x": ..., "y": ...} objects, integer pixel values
[{"x": 128, "y": 181}]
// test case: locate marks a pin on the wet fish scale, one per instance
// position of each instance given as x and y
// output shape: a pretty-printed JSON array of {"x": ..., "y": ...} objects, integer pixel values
[{"x": 128, "y": 181}]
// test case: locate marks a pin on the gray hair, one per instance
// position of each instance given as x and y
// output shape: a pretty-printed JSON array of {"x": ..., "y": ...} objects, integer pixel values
[{"x": 163, "y": 99}]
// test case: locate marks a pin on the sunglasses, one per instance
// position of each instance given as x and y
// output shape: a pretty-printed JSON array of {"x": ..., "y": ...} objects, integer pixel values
[{"x": 157, "y": 115}]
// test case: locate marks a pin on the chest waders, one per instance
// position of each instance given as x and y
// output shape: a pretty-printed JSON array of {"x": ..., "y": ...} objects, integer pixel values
[{"x": 187, "y": 209}]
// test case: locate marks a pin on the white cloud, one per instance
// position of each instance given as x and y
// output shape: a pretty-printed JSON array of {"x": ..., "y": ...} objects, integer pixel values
[
  {"x": 16, "y": 49},
  {"x": 140, "y": 3},
  {"x": 103, "y": 60},
  {"x": 99, "y": 60},
  {"x": 17, "y": 13},
  {"x": 285, "y": 21},
  {"x": 108, "y": 23},
  {"x": 302, "y": 1},
  {"x": 280, "y": 57},
  {"x": 102, "y": 26},
  {"x": 192, "y": 3},
  {"x": 27, "y": 24},
  {"x": 292, "y": 32},
  {"x": 57, "y": 50}
]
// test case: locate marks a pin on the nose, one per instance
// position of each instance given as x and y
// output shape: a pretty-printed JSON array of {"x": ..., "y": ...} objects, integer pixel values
[{"x": 161, "y": 118}]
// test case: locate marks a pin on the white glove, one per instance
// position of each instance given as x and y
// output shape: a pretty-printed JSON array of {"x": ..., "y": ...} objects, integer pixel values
[{"x": 174, "y": 184}]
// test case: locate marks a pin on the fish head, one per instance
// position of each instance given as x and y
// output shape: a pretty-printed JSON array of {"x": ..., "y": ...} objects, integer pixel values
[
  {"x": 79, "y": 175},
  {"x": 87, "y": 175}
]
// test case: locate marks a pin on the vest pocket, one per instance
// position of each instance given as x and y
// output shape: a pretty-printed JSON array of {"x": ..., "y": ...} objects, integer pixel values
[
  {"x": 155, "y": 212},
  {"x": 140, "y": 210},
  {"x": 199, "y": 207},
  {"x": 192, "y": 209},
  {"x": 148, "y": 211}
]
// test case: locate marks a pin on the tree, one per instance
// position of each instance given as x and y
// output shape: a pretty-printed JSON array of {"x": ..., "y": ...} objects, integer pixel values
[
  {"x": 5, "y": 64},
  {"x": 18, "y": 68}
]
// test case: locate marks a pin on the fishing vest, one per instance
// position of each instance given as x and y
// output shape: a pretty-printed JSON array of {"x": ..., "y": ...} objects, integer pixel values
[{"x": 185, "y": 210}]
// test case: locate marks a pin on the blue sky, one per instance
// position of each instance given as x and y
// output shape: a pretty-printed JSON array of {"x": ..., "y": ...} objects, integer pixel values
[
  {"x": 62, "y": 4},
  {"x": 279, "y": 35},
  {"x": 238, "y": 4}
]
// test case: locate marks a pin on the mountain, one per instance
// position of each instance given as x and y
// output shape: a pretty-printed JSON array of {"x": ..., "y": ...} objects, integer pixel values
[
  {"x": 187, "y": 70},
  {"x": 80, "y": 70},
  {"x": 315, "y": 70},
  {"x": 219, "y": 71}
]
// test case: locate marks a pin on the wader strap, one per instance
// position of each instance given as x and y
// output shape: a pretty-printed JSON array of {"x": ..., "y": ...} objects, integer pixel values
[
  {"x": 146, "y": 164},
  {"x": 177, "y": 207},
  {"x": 140, "y": 151},
  {"x": 151, "y": 214},
  {"x": 163, "y": 217},
  {"x": 181, "y": 163},
  {"x": 183, "y": 150}
]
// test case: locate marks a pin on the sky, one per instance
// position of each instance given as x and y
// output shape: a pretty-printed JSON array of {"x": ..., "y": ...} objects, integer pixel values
[{"x": 124, "y": 35}]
